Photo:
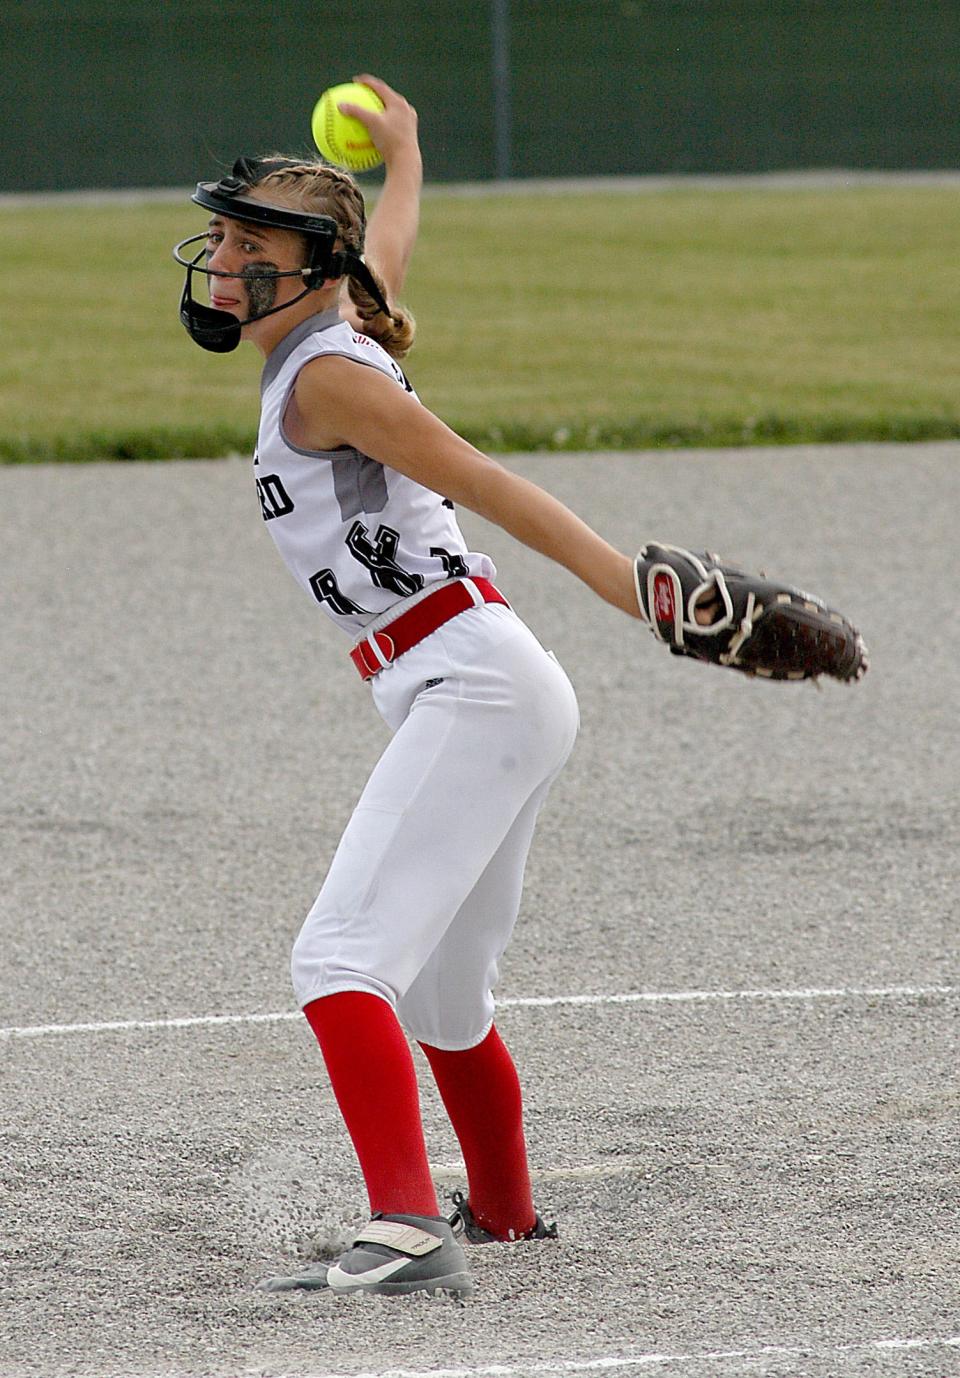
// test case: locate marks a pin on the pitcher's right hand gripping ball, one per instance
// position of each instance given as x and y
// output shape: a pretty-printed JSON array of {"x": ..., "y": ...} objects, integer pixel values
[{"x": 759, "y": 627}]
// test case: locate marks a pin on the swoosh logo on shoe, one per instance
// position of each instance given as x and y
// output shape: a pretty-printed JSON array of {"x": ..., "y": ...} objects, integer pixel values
[{"x": 337, "y": 1278}]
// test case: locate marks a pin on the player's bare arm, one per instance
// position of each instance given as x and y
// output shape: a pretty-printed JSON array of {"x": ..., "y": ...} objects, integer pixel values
[
  {"x": 395, "y": 220},
  {"x": 363, "y": 408}
]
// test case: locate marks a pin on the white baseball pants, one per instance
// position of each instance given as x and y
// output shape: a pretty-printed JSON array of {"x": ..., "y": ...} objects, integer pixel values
[{"x": 423, "y": 891}]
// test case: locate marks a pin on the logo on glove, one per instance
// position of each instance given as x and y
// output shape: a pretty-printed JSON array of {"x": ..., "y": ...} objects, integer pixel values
[{"x": 664, "y": 599}]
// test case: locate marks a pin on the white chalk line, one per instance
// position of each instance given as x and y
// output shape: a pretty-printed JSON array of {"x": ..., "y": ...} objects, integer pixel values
[
  {"x": 457, "y": 1171},
  {"x": 586, "y": 1172},
  {"x": 621, "y": 1362},
  {"x": 661, "y": 997}
]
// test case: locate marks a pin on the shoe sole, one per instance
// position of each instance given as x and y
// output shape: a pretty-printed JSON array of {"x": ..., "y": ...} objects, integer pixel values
[{"x": 456, "y": 1285}]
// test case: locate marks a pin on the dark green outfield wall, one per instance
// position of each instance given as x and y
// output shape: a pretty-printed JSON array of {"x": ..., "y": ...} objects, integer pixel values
[{"x": 130, "y": 93}]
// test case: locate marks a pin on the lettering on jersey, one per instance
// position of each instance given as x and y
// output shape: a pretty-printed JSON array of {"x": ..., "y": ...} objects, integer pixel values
[
  {"x": 447, "y": 503},
  {"x": 325, "y": 589},
  {"x": 454, "y": 565},
  {"x": 275, "y": 501},
  {"x": 380, "y": 558},
  {"x": 256, "y": 455}
]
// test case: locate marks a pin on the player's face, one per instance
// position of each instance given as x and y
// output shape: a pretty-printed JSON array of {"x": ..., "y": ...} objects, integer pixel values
[{"x": 249, "y": 253}]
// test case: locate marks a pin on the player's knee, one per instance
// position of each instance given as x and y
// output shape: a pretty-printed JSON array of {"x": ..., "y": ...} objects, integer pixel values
[
  {"x": 315, "y": 972},
  {"x": 463, "y": 1024},
  {"x": 309, "y": 969}
]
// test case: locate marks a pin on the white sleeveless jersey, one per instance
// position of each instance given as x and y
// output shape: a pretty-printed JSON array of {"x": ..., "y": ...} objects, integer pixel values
[{"x": 357, "y": 536}]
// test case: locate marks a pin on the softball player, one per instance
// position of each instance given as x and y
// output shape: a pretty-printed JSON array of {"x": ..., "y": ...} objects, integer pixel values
[{"x": 357, "y": 483}]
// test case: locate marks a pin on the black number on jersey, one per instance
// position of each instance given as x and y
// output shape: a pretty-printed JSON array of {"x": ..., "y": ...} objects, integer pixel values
[
  {"x": 275, "y": 501},
  {"x": 454, "y": 565},
  {"x": 380, "y": 558},
  {"x": 400, "y": 376},
  {"x": 325, "y": 589}
]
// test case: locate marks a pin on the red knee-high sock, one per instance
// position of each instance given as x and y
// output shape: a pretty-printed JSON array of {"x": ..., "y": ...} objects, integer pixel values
[
  {"x": 373, "y": 1078},
  {"x": 481, "y": 1092}
]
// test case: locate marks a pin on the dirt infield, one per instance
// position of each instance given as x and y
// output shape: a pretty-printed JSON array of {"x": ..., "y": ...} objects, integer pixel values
[{"x": 733, "y": 994}]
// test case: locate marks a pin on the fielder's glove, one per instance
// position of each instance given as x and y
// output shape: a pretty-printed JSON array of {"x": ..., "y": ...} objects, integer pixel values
[{"x": 759, "y": 627}]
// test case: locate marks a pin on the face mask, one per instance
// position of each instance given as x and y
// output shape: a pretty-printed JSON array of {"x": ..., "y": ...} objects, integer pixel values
[{"x": 219, "y": 331}]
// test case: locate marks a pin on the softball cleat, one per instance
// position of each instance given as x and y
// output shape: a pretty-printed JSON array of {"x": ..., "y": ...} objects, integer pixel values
[
  {"x": 463, "y": 1222},
  {"x": 398, "y": 1254}
]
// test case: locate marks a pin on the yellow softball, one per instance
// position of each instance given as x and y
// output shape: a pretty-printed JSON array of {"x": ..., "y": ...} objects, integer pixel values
[{"x": 342, "y": 139}]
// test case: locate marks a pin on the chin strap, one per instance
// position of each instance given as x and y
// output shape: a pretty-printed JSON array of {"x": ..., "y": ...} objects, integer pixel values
[{"x": 219, "y": 331}]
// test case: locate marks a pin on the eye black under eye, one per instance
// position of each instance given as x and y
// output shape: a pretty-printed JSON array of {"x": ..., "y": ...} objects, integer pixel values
[{"x": 259, "y": 270}]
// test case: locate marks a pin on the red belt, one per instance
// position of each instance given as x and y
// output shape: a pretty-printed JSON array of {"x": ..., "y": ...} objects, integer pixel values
[{"x": 380, "y": 649}]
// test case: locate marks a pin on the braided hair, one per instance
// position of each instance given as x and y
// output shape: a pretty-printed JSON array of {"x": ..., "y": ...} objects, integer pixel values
[{"x": 323, "y": 190}]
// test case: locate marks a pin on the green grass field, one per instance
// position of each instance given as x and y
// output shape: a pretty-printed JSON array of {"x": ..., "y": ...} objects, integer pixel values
[{"x": 670, "y": 318}]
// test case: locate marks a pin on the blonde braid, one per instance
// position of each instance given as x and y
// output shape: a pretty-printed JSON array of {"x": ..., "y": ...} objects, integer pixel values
[
  {"x": 394, "y": 332},
  {"x": 324, "y": 190}
]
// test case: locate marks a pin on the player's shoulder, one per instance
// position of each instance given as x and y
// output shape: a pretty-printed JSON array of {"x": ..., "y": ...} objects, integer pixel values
[
  {"x": 322, "y": 377},
  {"x": 353, "y": 346},
  {"x": 343, "y": 338}
]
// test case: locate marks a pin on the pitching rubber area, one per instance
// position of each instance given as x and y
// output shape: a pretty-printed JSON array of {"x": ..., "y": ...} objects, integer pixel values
[{"x": 733, "y": 995}]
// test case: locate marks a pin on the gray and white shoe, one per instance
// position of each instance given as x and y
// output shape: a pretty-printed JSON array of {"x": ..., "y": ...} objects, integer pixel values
[{"x": 398, "y": 1254}]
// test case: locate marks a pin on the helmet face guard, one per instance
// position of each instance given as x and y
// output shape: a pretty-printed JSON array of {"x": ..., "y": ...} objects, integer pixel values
[{"x": 219, "y": 331}]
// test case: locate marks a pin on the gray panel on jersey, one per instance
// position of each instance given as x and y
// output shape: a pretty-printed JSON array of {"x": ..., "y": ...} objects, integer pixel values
[
  {"x": 359, "y": 483},
  {"x": 324, "y": 320}
]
